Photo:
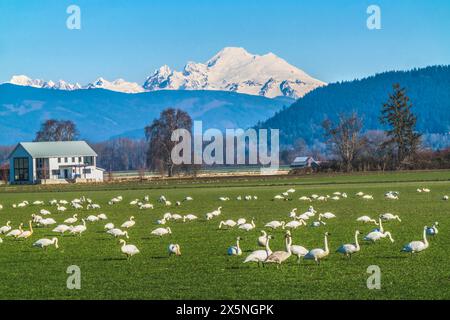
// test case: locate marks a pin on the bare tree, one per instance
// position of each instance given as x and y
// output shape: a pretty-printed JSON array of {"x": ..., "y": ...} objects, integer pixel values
[
  {"x": 159, "y": 135},
  {"x": 57, "y": 130},
  {"x": 345, "y": 138}
]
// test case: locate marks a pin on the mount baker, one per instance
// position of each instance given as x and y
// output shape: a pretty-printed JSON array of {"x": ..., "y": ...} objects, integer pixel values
[{"x": 232, "y": 69}]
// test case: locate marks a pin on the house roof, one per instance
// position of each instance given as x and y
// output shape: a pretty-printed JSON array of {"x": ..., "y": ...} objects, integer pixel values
[
  {"x": 301, "y": 159},
  {"x": 57, "y": 149}
]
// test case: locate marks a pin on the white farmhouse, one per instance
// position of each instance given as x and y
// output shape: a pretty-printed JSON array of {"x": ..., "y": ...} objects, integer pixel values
[{"x": 54, "y": 162}]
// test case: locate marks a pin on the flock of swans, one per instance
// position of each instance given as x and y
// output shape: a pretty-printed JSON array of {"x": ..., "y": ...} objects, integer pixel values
[{"x": 75, "y": 226}]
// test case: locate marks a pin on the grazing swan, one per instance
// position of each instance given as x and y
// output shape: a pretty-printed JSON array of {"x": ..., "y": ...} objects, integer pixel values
[
  {"x": 294, "y": 224},
  {"x": 293, "y": 213},
  {"x": 117, "y": 233},
  {"x": 417, "y": 246},
  {"x": 262, "y": 240},
  {"x": 129, "y": 223},
  {"x": 241, "y": 221},
  {"x": 235, "y": 250},
  {"x": 367, "y": 219},
  {"x": 79, "y": 229},
  {"x": 367, "y": 197},
  {"x": 26, "y": 234},
  {"x": 72, "y": 220},
  {"x": 44, "y": 243},
  {"x": 174, "y": 249},
  {"x": 350, "y": 248},
  {"x": 248, "y": 226},
  {"x": 161, "y": 221},
  {"x": 44, "y": 212},
  {"x": 319, "y": 254},
  {"x": 327, "y": 215},
  {"x": 102, "y": 216},
  {"x": 62, "y": 228},
  {"x": 275, "y": 224},
  {"x": 297, "y": 250},
  {"x": 189, "y": 217},
  {"x": 280, "y": 256},
  {"x": 259, "y": 256},
  {"x": 5, "y": 228},
  {"x": 389, "y": 216},
  {"x": 128, "y": 249},
  {"x": 228, "y": 223},
  {"x": 445, "y": 198},
  {"x": 161, "y": 231},
  {"x": 376, "y": 235},
  {"x": 46, "y": 222},
  {"x": 92, "y": 218},
  {"x": 16, "y": 232},
  {"x": 176, "y": 216},
  {"x": 109, "y": 226},
  {"x": 318, "y": 223},
  {"x": 433, "y": 230}
]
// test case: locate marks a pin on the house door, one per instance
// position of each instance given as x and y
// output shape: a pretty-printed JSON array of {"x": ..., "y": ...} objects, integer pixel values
[{"x": 66, "y": 173}]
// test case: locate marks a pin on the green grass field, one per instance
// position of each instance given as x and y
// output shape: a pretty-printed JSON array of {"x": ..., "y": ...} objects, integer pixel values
[{"x": 204, "y": 271}]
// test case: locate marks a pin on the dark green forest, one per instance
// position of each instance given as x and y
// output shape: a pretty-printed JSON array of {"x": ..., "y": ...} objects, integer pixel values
[{"x": 428, "y": 89}]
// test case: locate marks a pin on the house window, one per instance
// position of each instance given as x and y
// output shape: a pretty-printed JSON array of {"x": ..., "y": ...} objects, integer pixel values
[
  {"x": 89, "y": 161},
  {"x": 87, "y": 171},
  {"x": 73, "y": 159},
  {"x": 65, "y": 160},
  {"x": 80, "y": 159},
  {"x": 55, "y": 172},
  {"x": 59, "y": 160},
  {"x": 42, "y": 168},
  {"x": 21, "y": 166}
]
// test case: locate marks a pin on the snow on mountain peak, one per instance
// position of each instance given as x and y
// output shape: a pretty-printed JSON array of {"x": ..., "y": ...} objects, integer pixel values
[{"x": 235, "y": 69}]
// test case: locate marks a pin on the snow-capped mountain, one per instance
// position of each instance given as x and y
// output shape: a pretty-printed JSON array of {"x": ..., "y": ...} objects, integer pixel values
[
  {"x": 234, "y": 69},
  {"x": 118, "y": 85},
  {"x": 23, "y": 80}
]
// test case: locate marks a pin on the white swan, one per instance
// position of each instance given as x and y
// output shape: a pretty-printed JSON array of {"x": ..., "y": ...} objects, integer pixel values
[
  {"x": 44, "y": 243},
  {"x": 248, "y": 226},
  {"x": 327, "y": 215},
  {"x": 79, "y": 229},
  {"x": 5, "y": 228},
  {"x": 46, "y": 222},
  {"x": 350, "y": 248},
  {"x": 262, "y": 240},
  {"x": 235, "y": 250},
  {"x": 117, "y": 233},
  {"x": 92, "y": 218},
  {"x": 161, "y": 231},
  {"x": 298, "y": 250},
  {"x": 275, "y": 224},
  {"x": 15, "y": 232},
  {"x": 417, "y": 246},
  {"x": 102, "y": 216},
  {"x": 389, "y": 216},
  {"x": 128, "y": 224},
  {"x": 228, "y": 223},
  {"x": 62, "y": 228},
  {"x": 109, "y": 226},
  {"x": 71, "y": 220},
  {"x": 319, "y": 253},
  {"x": 44, "y": 212},
  {"x": 189, "y": 217},
  {"x": 294, "y": 224},
  {"x": 128, "y": 249},
  {"x": 241, "y": 221},
  {"x": 259, "y": 256},
  {"x": 367, "y": 219},
  {"x": 377, "y": 235}
]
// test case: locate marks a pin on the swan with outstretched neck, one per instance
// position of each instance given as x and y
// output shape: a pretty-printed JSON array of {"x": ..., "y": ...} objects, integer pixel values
[
  {"x": 319, "y": 253},
  {"x": 417, "y": 246}
]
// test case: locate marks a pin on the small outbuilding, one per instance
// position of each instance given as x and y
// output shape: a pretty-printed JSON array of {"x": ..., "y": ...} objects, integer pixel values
[
  {"x": 53, "y": 162},
  {"x": 305, "y": 162}
]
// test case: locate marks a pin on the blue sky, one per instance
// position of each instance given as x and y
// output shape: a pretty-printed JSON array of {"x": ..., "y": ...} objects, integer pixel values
[{"x": 129, "y": 39}]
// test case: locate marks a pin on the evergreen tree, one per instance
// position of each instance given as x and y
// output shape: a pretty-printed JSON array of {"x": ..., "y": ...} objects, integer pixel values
[{"x": 402, "y": 138}]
